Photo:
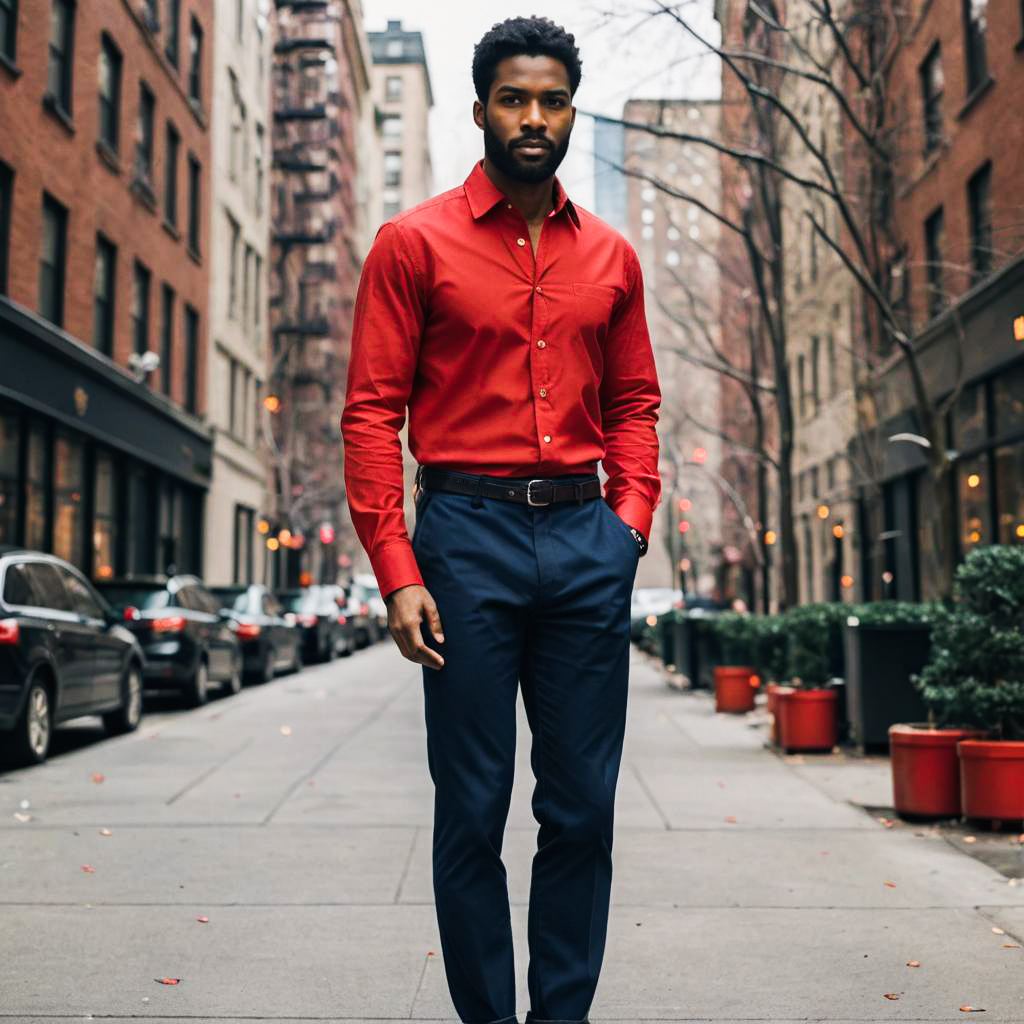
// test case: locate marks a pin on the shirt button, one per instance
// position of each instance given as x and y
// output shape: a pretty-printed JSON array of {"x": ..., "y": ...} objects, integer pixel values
[
  {"x": 543, "y": 392},
  {"x": 541, "y": 343},
  {"x": 508, "y": 206},
  {"x": 520, "y": 241},
  {"x": 547, "y": 437},
  {"x": 538, "y": 288}
]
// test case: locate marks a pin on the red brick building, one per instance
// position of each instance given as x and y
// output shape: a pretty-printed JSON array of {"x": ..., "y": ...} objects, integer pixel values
[{"x": 104, "y": 159}]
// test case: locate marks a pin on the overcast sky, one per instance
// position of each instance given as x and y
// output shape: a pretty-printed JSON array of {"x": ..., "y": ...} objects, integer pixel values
[{"x": 625, "y": 54}]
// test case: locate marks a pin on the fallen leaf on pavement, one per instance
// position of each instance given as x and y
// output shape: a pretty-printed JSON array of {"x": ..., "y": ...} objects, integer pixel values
[
  {"x": 970, "y": 839},
  {"x": 105, "y": 832},
  {"x": 286, "y": 730},
  {"x": 971, "y": 1009},
  {"x": 237, "y": 795},
  {"x": 22, "y": 816},
  {"x": 892, "y": 995},
  {"x": 887, "y": 822},
  {"x": 203, "y": 919},
  {"x": 998, "y": 931},
  {"x": 97, "y": 776},
  {"x": 731, "y": 819},
  {"x": 1010, "y": 945},
  {"x": 88, "y": 869},
  {"x": 168, "y": 981},
  {"x": 913, "y": 963},
  {"x": 890, "y": 885}
]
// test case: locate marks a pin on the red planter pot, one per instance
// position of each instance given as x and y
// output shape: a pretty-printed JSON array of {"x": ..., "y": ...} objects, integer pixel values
[
  {"x": 735, "y": 686},
  {"x": 926, "y": 770},
  {"x": 992, "y": 778},
  {"x": 808, "y": 719},
  {"x": 772, "y": 690}
]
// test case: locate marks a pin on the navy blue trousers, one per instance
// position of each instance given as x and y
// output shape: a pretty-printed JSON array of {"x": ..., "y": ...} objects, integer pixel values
[{"x": 538, "y": 598}]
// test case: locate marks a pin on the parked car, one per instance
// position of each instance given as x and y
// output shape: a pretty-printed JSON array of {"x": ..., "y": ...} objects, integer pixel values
[
  {"x": 188, "y": 644},
  {"x": 655, "y": 601},
  {"x": 364, "y": 620},
  {"x": 378, "y": 608},
  {"x": 326, "y": 629},
  {"x": 270, "y": 640},
  {"x": 63, "y": 653}
]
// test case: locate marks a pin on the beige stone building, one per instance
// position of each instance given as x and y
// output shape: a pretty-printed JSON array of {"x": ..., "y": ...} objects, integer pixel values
[
  {"x": 677, "y": 241},
  {"x": 238, "y": 322}
]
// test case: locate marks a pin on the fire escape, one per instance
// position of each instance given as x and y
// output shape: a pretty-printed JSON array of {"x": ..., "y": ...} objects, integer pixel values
[{"x": 307, "y": 306}]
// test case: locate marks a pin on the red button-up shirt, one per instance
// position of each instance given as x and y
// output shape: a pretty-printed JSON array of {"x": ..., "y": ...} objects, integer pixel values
[{"x": 510, "y": 364}]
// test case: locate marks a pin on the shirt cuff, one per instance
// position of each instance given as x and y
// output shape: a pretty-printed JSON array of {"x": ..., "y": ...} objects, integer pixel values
[
  {"x": 395, "y": 566},
  {"x": 636, "y": 512}
]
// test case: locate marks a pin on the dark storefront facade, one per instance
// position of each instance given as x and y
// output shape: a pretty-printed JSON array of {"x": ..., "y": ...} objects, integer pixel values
[
  {"x": 984, "y": 438},
  {"x": 94, "y": 467}
]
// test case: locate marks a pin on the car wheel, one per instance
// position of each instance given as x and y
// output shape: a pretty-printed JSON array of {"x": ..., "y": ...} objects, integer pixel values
[
  {"x": 297, "y": 659},
  {"x": 331, "y": 651},
  {"x": 28, "y": 742},
  {"x": 267, "y": 669},
  {"x": 127, "y": 717},
  {"x": 199, "y": 692},
  {"x": 233, "y": 684}
]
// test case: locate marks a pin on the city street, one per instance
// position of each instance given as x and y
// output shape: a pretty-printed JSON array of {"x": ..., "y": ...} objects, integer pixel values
[{"x": 272, "y": 851}]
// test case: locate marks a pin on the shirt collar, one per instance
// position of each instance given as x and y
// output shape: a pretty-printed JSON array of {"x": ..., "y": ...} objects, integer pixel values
[{"x": 484, "y": 195}]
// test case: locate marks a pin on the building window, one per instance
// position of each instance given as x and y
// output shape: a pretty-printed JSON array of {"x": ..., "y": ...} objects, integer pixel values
[
  {"x": 815, "y": 360},
  {"x": 395, "y": 48},
  {"x": 800, "y": 388},
  {"x": 171, "y": 146},
  {"x": 392, "y": 170},
  {"x": 172, "y": 46},
  {"x": 6, "y": 197},
  {"x": 391, "y": 209},
  {"x": 68, "y": 507},
  {"x": 58, "y": 76},
  {"x": 104, "y": 517},
  {"x": 195, "y": 62},
  {"x": 166, "y": 339},
  {"x": 103, "y": 296},
  {"x": 975, "y": 26},
  {"x": 245, "y": 527},
  {"x": 193, "y": 204},
  {"x": 246, "y": 288},
  {"x": 9, "y": 28},
  {"x": 233, "y": 266},
  {"x": 144, "y": 137},
  {"x": 1008, "y": 401},
  {"x": 932, "y": 86},
  {"x": 391, "y": 126},
  {"x": 37, "y": 472},
  {"x": 933, "y": 248},
  {"x": 191, "y": 359},
  {"x": 10, "y": 488},
  {"x": 236, "y": 126},
  {"x": 979, "y": 204},
  {"x": 110, "y": 93},
  {"x": 140, "y": 309},
  {"x": 1010, "y": 493},
  {"x": 52, "y": 261},
  {"x": 258, "y": 183},
  {"x": 833, "y": 376},
  {"x": 393, "y": 88},
  {"x": 973, "y": 482},
  {"x": 256, "y": 290}
]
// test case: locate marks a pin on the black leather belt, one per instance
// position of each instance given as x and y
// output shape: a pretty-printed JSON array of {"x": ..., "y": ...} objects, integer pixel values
[{"x": 536, "y": 492}]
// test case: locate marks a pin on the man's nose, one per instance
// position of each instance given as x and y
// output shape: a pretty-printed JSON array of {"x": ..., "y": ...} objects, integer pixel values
[{"x": 533, "y": 117}]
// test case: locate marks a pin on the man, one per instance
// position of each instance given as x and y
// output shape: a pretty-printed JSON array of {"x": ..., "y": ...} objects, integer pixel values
[{"x": 511, "y": 323}]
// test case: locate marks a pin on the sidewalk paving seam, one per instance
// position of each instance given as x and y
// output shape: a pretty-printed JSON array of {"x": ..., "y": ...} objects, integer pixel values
[
  {"x": 203, "y": 775},
  {"x": 407, "y": 865}
]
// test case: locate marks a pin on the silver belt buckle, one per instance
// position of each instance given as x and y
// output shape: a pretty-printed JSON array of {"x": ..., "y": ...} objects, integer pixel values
[{"x": 529, "y": 497}]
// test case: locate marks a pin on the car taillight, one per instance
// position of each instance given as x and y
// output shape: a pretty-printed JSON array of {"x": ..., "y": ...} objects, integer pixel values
[
  {"x": 9, "y": 632},
  {"x": 247, "y": 630},
  {"x": 168, "y": 624},
  {"x": 342, "y": 619},
  {"x": 131, "y": 613},
  {"x": 307, "y": 620},
  {"x": 364, "y": 609}
]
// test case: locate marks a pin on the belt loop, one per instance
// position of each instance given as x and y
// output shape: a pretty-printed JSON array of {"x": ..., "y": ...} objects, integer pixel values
[
  {"x": 577, "y": 488},
  {"x": 477, "y": 501}
]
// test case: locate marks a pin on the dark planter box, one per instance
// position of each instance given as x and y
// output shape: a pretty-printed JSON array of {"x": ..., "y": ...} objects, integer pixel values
[
  {"x": 879, "y": 662},
  {"x": 667, "y": 638},
  {"x": 696, "y": 650}
]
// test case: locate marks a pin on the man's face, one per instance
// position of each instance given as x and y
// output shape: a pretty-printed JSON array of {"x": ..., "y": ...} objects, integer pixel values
[{"x": 528, "y": 118}]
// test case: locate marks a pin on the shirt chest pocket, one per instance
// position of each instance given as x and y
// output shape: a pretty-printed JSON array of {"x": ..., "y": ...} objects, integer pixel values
[{"x": 593, "y": 311}]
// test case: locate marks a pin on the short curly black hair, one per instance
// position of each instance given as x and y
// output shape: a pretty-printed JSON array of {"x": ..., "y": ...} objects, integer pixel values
[{"x": 534, "y": 37}]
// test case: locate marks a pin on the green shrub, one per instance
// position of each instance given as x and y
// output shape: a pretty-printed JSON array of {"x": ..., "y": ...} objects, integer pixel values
[
  {"x": 895, "y": 613},
  {"x": 975, "y": 675},
  {"x": 771, "y": 658},
  {"x": 815, "y": 651},
  {"x": 737, "y": 635}
]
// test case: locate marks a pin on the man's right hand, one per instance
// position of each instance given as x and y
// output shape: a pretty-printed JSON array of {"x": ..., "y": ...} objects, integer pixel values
[{"x": 407, "y": 607}]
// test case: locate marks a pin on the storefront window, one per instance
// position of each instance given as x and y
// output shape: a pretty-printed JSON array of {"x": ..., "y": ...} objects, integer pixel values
[
  {"x": 1010, "y": 493},
  {"x": 969, "y": 419},
  {"x": 1008, "y": 392},
  {"x": 8, "y": 478},
  {"x": 141, "y": 554},
  {"x": 35, "y": 489},
  {"x": 973, "y": 486},
  {"x": 68, "y": 506},
  {"x": 104, "y": 530}
]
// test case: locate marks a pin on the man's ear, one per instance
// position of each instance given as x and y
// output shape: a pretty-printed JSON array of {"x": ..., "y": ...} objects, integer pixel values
[
  {"x": 572, "y": 120},
  {"x": 478, "y": 114}
]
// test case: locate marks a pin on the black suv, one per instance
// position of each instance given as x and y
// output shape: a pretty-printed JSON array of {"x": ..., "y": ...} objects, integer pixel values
[
  {"x": 269, "y": 640},
  {"x": 63, "y": 653},
  {"x": 187, "y": 642}
]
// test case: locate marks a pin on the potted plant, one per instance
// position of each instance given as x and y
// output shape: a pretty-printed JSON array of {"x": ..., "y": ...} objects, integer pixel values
[
  {"x": 771, "y": 657},
  {"x": 666, "y": 637},
  {"x": 695, "y": 645},
  {"x": 736, "y": 679},
  {"x": 885, "y": 643},
  {"x": 808, "y": 713},
  {"x": 975, "y": 678}
]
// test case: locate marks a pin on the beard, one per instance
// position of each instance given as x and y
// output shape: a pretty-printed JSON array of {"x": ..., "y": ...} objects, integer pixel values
[{"x": 505, "y": 159}]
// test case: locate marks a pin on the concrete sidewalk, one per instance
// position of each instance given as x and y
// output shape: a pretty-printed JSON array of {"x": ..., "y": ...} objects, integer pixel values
[{"x": 748, "y": 887}]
